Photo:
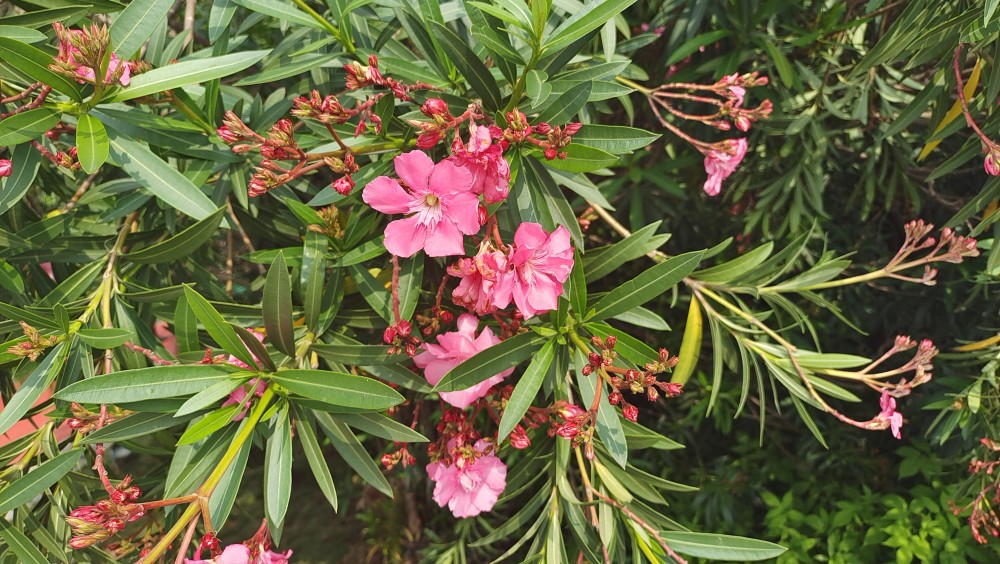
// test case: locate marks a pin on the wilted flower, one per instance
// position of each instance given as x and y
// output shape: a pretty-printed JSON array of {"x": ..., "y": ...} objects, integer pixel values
[
  {"x": 719, "y": 164},
  {"x": 889, "y": 413},
  {"x": 485, "y": 161},
  {"x": 480, "y": 275}
]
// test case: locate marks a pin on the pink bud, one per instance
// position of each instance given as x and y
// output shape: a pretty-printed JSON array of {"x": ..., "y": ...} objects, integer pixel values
[
  {"x": 404, "y": 328},
  {"x": 435, "y": 107},
  {"x": 989, "y": 164},
  {"x": 343, "y": 185},
  {"x": 6, "y": 167},
  {"x": 572, "y": 128},
  {"x": 742, "y": 123},
  {"x": 550, "y": 153},
  {"x": 631, "y": 412}
]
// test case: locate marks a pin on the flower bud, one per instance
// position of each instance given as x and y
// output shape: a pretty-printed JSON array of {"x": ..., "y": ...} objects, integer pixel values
[
  {"x": 587, "y": 369},
  {"x": 389, "y": 335},
  {"x": 343, "y": 185},
  {"x": 990, "y": 165},
  {"x": 572, "y": 128},
  {"x": 428, "y": 140},
  {"x": 404, "y": 328},
  {"x": 484, "y": 215},
  {"x": 435, "y": 107},
  {"x": 611, "y": 340},
  {"x": 543, "y": 128},
  {"x": 595, "y": 359},
  {"x": 631, "y": 412},
  {"x": 742, "y": 123},
  {"x": 447, "y": 317},
  {"x": 550, "y": 153}
]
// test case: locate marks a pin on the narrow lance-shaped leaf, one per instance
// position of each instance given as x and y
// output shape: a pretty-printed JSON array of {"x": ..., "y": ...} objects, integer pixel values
[
  {"x": 33, "y": 387},
  {"x": 217, "y": 327},
  {"x": 306, "y": 432},
  {"x": 526, "y": 389},
  {"x": 180, "y": 245},
  {"x": 34, "y": 63},
  {"x": 20, "y": 545},
  {"x": 91, "y": 143},
  {"x": 466, "y": 61},
  {"x": 144, "y": 383},
  {"x": 278, "y": 472},
  {"x": 25, "y": 488},
  {"x": 277, "y": 307},
  {"x": 336, "y": 388},
  {"x": 28, "y": 125},
  {"x": 646, "y": 286},
  {"x": 136, "y": 23},
  {"x": 186, "y": 73}
]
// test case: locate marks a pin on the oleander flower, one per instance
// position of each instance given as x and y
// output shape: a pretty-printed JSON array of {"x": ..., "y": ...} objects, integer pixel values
[
  {"x": 485, "y": 161},
  {"x": 233, "y": 554},
  {"x": 239, "y": 396},
  {"x": 889, "y": 413},
  {"x": 271, "y": 557},
  {"x": 540, "y": 264},
  {"x": 451, "y": 349},
  {"x": 719, "y": 164},
  {"x": 439, "y": 200},
  {"x": 479, "y": 275},
  {"x": 124, "y": 79},
  {"x": 469, "y": 487}
]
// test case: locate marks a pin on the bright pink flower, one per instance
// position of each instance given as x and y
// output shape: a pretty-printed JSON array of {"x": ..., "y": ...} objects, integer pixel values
[
  {"x": 485, "y": 161},
  {"x": 479, "y": 274},
  {"x": 233, "y": 554},
  {"x": 889, "y": 413},
  {"x": 473, "y": 487},
  {"x": 239, "y": 396},
  {"x": 720, "y": 164},
  {"x": 125, "y": 78},
  {"x": 451, "y": 349},
  {"x": 6, "y": 168},
  {"x": 990, "y": 164},
  {"x": 438, "y": 197},
  {"x": 541, "y": 263},
  {"x": 271, "y": 557}
]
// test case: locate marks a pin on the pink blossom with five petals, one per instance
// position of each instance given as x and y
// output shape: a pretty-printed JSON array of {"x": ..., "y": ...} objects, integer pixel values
[
  {"x": 439, "y": 199},
  {"x": 889, "y": 413}
]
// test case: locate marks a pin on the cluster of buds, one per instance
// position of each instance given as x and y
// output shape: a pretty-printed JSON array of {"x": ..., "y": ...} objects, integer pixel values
[
  {"x": 442, "y": 121},
  {"x": 329, "y": 111},
  {"x": 330, "y": 226},
  {"x": 400, "y": 456},
  {"x": 345, "y": 167},
  {"x": 984, "y": 515},
  {"x": 92, "y": 524},
  {"x": 572, "y": 422},
  {"x": 83, "y": 51},
  {"x": 456, "y": 437},
  {"x": 84, "y": 421},
  {"x": 433, "y": 323},
  {"x": 644, "y": 381},
  {"x": 551, "y": 139},
  {"x": 361, "y": 76},
  {"x": 950, "y": 247},
  {"x": 400, "y": 338},
  {"x": 35, "y": 344}
]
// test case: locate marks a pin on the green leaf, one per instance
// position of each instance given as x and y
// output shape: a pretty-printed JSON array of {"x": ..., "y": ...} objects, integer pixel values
[
  {"x": 21, "y": 546},
  {"x": 337, "y": 388},
  {"x": 581, "y": 158},
  {"x": 136, "y": 24},
  {"x": 588, "y": 19},
  {"x": 566, "y": 105},
  {"x": 721, "y": 547},
  {"x": 25, "y": 488},
  {"x": 695, "y": 43},
  {"x": 220, "y": 504},
  {"x": 730, "y": 271},
  {"x": 180, "y": 245},
  {"x": 298, "y": 65},
  {"x": 144, "y": 384},
  {"x": 209, "y": 424},
  {"x": 135, "y": 425},
  {"x": 217, "y": 327},
  {"x": 22, "y": 34},
  {"x": 491, "y": 361},
  {"x": 313, "y": 277},
  {"x": 91, "y": 143},
  {"x": 210, "y": 396},
  {"x": 358, "y": 355},
  {"x": 256, "y": 347},
  {"x": 159, "y": 178},
  {"x": 108, "y": 338},
  {"x": 526, "y": 389},
  {"x": 74, "y": 286},
  {"x": 469, "y": 65},
  {"x": 28, "y": 125},
  {"x": 372, "y": 291},
  {"x": 278, "y": 472},
  {"x": 283, "y": 11},
  {"x": 186, "y": 73},
  {"x": 382, "y": 426},
  {"x": 615, "y": 139},
  {"x": 219, "y": 18},
  {"x": 277, "y": 307},
  {"x": 33, "y": 386},
  {"x": 34, "y": 63},
  {"x": 646, "y": 286},
  {"x": 352, "y": 451},
  {"x": 26, "y": 161},
  {"x": 306, "y": 431}
]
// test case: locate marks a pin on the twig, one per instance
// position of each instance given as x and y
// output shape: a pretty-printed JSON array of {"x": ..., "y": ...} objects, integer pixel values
[{"x": 638, "y": 521}]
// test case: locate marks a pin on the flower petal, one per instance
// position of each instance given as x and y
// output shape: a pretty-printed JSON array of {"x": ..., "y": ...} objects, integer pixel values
[
  {"x": 448, "y": 178},
  {"x": 444, "y": 240},
  {"x": 414, "y": 168},
  {"x": 404, "y": 237}
]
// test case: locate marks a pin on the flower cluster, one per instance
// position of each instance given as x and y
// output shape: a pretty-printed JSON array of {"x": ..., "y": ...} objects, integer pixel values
[
  {"x": 473, "y": 480},
  {"x": 34, "y": 344},
  {"x": 256, "y": 550},
  {"x": 82, "y": 52},
  {"x": 96, "y": 523}
]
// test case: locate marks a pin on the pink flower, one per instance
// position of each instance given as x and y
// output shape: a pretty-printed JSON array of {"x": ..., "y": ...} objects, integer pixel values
[
  {"x": 125, "y": 78},
  {"x": 438, "y": 197},
  {"x": 720, "y": 164},
  {"x": 470, "y": 488},
  {"x": 889, "y": 413},
  {"x": 271, "y": 557},
  {"x": 239, "y": 396},
  {"x": 233, "y": 554},
  {"x": 480, "y": 275},
  {"x": 6, "y": 168},
  {"x": 541, "y": 263},
  {"x": 485, "y": 161},
  {"x": 451, "y": 349}
]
